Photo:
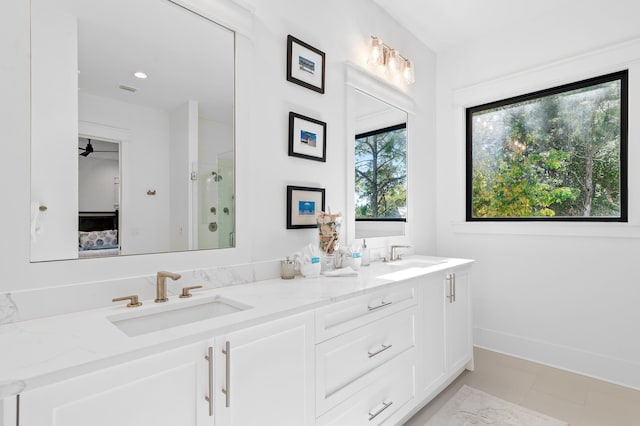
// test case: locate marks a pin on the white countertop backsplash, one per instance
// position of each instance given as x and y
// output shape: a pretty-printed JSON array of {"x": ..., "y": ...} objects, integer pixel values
[
  {"x": 46, "y": 302},
  {"x": 37, "y": 352}
]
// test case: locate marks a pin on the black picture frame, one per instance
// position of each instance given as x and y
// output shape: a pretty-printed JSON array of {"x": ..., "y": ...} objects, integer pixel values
[
  {"x": 307, "y": 137},
  {"x": 302, "y": 65},
  {"x": 300, "y": 214}
]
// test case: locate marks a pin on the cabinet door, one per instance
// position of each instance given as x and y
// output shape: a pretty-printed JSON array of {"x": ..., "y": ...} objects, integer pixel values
[
  {"x": 431, "y": 329},
  {"x": 264, "y": 374},
  {"x": 160, "y": 390},
  {"x": 458, "y": 324},
  {"x": 8, "y": 411}
]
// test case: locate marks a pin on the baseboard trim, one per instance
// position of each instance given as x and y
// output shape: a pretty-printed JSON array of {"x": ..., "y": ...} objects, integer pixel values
[{"x": 613, "y": 370}]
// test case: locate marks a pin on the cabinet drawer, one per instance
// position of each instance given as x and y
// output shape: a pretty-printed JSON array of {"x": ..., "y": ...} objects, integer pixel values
[
  {"x": 345, "y": 316},
  {"x": 344, "y": 360},
  {"x": 390, "y": 388}
]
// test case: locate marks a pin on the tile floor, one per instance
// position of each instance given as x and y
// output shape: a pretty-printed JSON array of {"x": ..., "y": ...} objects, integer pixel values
[{"x": 576, "y": 399}]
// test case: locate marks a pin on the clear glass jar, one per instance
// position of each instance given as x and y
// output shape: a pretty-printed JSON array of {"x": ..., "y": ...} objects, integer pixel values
[{"x": 328, "y": 263}]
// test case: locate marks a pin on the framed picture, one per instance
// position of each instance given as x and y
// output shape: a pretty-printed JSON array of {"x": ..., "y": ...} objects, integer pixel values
[
  {"x": 302, "y": 206},
  {"x": 305, "y": 64},
  {"x": 307, "y": 138}
]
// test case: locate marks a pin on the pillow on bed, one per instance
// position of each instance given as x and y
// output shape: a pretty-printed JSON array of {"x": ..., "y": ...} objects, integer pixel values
[{"x": 97, "y": 240}]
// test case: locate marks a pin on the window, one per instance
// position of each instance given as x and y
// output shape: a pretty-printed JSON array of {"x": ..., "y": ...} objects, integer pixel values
[
  {"x": 557, "y": 154},
  {"x": 381, "y": 174}
]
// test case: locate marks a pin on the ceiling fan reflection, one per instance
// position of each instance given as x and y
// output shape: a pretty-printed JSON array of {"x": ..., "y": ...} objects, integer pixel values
[{"x": 89, "y": 149}]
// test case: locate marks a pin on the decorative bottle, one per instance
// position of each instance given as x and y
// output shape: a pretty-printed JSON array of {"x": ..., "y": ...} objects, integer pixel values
[{"x": 364, "y": 254}]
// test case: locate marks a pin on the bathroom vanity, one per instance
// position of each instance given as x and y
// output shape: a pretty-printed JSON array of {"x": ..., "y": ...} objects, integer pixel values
[{"x": 371, "y": 349}]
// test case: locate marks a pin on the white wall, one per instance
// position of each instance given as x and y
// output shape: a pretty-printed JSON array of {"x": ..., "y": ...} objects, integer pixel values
[
  {"x": 183, "y": 148},
  {"x": 145, "y": 157},
  {"x": 341, "y": 30},
  {"x": 558, "y": 293}
]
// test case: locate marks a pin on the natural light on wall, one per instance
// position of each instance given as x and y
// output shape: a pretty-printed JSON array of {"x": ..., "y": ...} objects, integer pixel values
[{"x": 390, "y": 62}]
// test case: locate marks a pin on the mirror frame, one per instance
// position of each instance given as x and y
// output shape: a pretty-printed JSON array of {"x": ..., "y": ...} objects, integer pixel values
[
  {"x": 359, "y": 79},
  {"x": 237, "y": 17}
]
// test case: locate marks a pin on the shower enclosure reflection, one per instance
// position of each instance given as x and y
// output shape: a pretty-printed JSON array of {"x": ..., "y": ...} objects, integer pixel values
[{"x": 216, "y": 199}]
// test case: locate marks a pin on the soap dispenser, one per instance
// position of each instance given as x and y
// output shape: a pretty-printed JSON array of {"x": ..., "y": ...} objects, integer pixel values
[{"x": 364, "y": 254}]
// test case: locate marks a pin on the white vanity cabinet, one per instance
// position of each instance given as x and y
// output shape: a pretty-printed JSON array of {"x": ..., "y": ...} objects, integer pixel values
[
  {"x": 459, "y": 344},
  {"x": 366, "y": 357},
  {"x": 261, "y": 375},
  {"x": 372, "y": 358},
  {"x": 445, "y": 344},
  {"x": 264, "y": 375},
  {"x": 158, "y": 390}
]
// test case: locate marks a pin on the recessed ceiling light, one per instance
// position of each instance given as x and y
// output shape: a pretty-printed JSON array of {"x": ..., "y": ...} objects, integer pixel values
[{"x": 140, "y": 74}]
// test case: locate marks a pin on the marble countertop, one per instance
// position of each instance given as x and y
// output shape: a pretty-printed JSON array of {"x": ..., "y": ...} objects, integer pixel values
[{"x": 47, "y": 350}]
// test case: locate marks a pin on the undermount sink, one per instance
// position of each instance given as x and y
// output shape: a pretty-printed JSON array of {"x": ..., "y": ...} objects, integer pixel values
[
  {"x": 135, "y": 324},
  {"x": 403, "y": 269},
  {"x": 415, "y": 263}
]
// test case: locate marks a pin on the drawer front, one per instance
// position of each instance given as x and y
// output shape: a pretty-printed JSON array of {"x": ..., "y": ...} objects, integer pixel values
[
  {"x": 392, "y": 387},
  {"x": 345, "y": 316},
  {"x": 344, "y": 360}
]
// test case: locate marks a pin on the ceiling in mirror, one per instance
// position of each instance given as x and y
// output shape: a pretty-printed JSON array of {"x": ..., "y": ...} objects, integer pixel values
[{"x": 154, "y": 82}]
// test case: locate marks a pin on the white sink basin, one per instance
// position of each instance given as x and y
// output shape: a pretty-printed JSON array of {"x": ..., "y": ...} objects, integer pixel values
[
  {"x": 408, "y": 268},
  {"x": 415, "y": 263},
  {"x": 136, "y": 324}
]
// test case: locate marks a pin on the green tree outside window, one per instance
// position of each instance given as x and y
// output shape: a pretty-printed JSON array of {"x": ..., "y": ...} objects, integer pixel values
[
  {"x": 557, "y": 154},
  {"x": 381, "y": 173}
]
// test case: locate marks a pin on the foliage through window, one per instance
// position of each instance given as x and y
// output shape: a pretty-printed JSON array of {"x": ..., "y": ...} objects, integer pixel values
[
  {"x": 557, "y": 154},
  {"x": 381, "y": 174}
]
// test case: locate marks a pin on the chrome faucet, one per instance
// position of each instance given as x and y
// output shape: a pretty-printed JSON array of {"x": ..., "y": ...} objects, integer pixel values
[
  {"x": 161, "y": 285},
  {"x": 394, "y": 255}
]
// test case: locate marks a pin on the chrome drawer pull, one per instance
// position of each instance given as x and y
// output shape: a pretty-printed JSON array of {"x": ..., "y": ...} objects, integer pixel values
[
  {"x": 385, "y": 405},
  {"x": 379, "y": 351},
  {"x": 227, "y": 381},
  {"x": 453, "y": 276},
  {"x": 381, "y": 305},
  {"x": 209, "y": 398}
]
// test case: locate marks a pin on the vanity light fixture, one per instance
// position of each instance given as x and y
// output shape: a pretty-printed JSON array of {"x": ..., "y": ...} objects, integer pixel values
[
  {"x": 140, "y": 75},
  {"x": 390, "y": 60}
]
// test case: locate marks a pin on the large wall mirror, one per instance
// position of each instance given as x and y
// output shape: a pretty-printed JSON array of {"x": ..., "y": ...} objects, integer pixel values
[
  {"x": 378, "y": 129},
  {"x": 380, "y": 167},
  {"x": 132, "y": 141}
]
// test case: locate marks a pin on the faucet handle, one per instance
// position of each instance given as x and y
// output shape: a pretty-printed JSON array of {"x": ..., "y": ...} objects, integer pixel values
[
  {"x": 133, "y": 301},
  {"x": 186, "y": 291}
]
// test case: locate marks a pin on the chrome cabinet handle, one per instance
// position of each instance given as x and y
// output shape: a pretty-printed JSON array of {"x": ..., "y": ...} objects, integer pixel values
[
  {"x": 450, "y": 281},
  {"x": 385, "y": 405},
  {"x": 209, "y": 398},
  {"x": 381, "y": 305},
  {"x": 453, "y": 276},
  {"x": 227, "y": 359},
  {"x": 379, "y": 351}
]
